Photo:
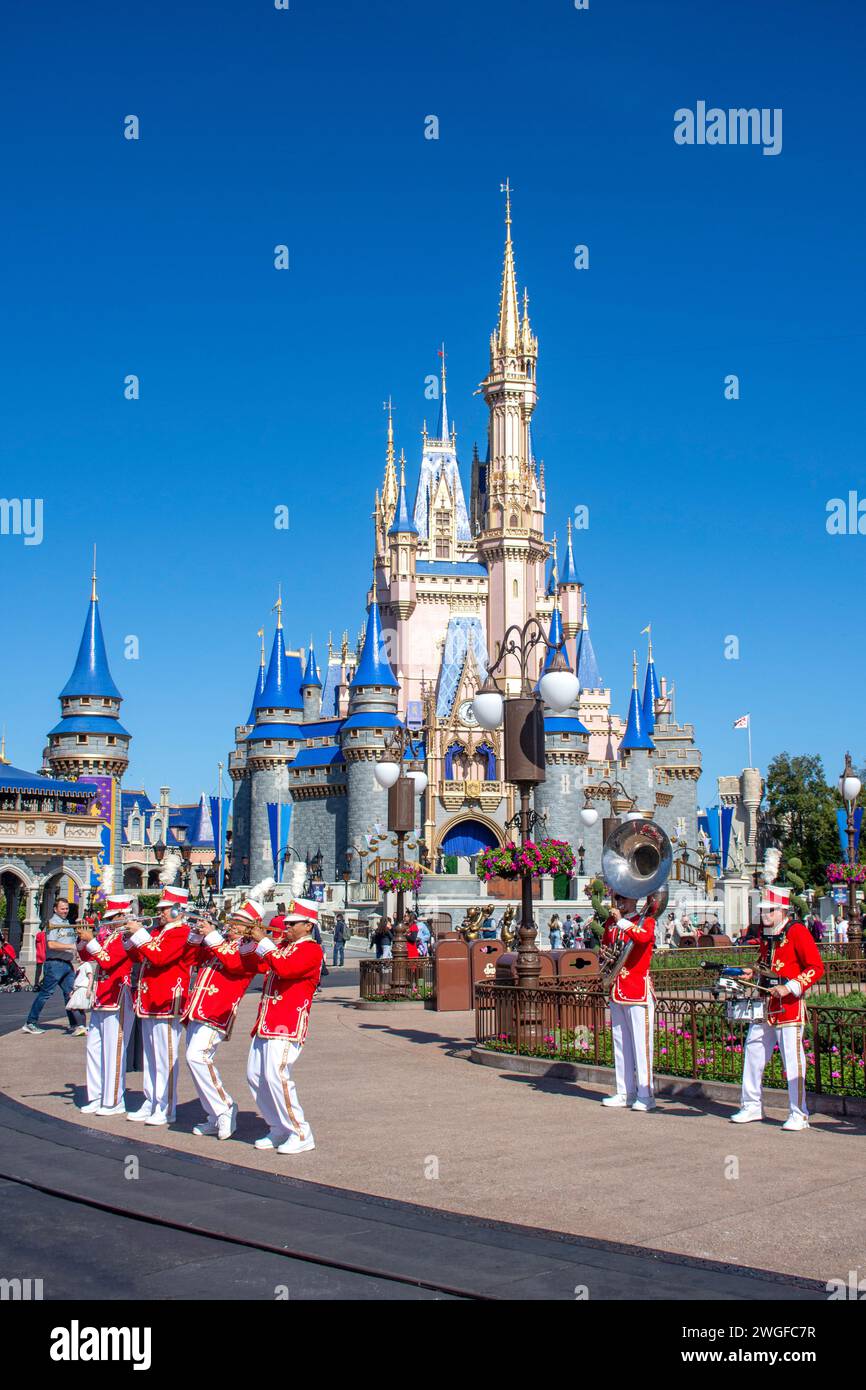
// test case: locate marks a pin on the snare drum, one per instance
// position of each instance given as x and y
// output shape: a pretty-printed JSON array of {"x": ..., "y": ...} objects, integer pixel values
[{"x": 745, "y": 1011}]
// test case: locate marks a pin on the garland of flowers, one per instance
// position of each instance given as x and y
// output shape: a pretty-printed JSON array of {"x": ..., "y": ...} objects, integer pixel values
[
  {"x": 846, "y": 873},
  {"x": 408, "y": 879},
  {"x": 532, "y": 860}
]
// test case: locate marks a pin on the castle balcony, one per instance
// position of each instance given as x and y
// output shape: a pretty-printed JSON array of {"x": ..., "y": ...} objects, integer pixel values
[
  {"x": 454, "y": 796},
  {"x": 57, "y": 833}
]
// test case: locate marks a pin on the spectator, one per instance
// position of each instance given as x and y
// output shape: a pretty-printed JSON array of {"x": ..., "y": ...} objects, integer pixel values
[
  {"x": 412, "y": 951},
  {"x": 842, "y": 930},
  {"x": 423, "y": 937},
  {"x": 40, "y": 957},
  {"x": 383, "y": 939},
  {"x": 555, "y": 929},
  {"x": 816, "y": 927},
  {"x": 340, "y": 938},
  {"x": 317, "y": 937},
  {"x": 59, "y": 970}
]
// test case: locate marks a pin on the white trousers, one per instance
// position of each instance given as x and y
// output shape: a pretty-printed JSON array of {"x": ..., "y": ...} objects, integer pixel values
[
  {"x": 107, "y": 1039},
  {"x": 632, "y": 1026},
  {"x": 269, "y": 1074},
  {"x": 760, "y": 1040},
  {"x": 202, "y": 1042},
  {"x": 161, "y": 1038}
]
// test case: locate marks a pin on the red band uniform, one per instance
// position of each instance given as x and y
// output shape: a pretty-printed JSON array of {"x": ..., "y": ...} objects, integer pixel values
[
  {"x": 794, "y": 956},
  {"x": 632, "y": 1011},
  {"x": 111, "y": 1016},
  {"x": 280, "y": 1030},
  {"x": 225, "y": 971},
  {"x": 160, "y": 1002}
]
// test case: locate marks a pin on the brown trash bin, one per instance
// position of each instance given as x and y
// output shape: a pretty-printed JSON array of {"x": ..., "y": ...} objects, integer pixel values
[
  {"x": 575, "y": 964},
  {"x": 483, "y": 955},
  {"x": 506, "y": 966},
  {"x": 714, "y": 943},
  {"x": 453, "y": 983}
]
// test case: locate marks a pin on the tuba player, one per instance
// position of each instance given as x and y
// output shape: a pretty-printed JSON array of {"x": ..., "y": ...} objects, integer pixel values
[{"x": 632, "y": 1005}]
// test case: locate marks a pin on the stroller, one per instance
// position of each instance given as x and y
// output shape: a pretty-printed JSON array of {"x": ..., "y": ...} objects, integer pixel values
[{"x": 12, "y": 977}]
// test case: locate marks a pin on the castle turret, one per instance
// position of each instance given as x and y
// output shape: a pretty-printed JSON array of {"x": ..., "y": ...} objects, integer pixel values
[
  {"x": 570, "y": 590},
  {"x": 651, "y": 695},
  {"x": 635, "y": 752},
  {"x": 311, "y": 688},
  {"x": 403, "y": 544},
  {"x": 271, "y": 745},
  {"x": 372, "y": 716},
  {"x": 558, "y": 798},
  {"x": 89, "y": 742}
]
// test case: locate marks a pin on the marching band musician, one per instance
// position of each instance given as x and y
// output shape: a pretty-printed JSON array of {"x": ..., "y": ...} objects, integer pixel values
[
  {"x": 227, "y": 965},
  {"x": 111, "y": 1017},
  {"x": 788, "y": 950},
  {"x": 293, "y": 969},
  {"x": 632, "y": 1006},
  {"x": 160, "y": 1001}
]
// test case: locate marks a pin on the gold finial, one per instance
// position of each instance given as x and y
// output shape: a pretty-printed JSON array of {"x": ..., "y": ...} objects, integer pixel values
[
  {"x": 279, "y": 607},
  {"x": 568, "y": 524},
  {"x": 442, "y": 355},
  {"x": 389, "y": 453},
  {"x": 344, "y": 648},
  {"x": 402, "y": 468},
  {"x": 93, "y": 594},
  {"x": 330, "y": 645},
  {"x": 261, "y": 634},
  {"x": 3, "y": 759},
  {"x": 634, "y": 669}
]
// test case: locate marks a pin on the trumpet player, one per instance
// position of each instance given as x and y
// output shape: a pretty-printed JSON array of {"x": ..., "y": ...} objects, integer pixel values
[
  {"x": 227, "y": 964},
  {"x": 160, "y": 1001},
  {"x": 293, "y": 966},
  {"x": 111, "y": 1017},
  {"x": 632, "y": 1005},
  {"x": 787, "y": 951}
]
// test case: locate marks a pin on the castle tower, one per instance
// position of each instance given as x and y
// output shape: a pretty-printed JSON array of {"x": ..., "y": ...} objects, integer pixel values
[
  {"x": 570, "y": 590},
  {"x": 635, "y": 751},
  {"x": 240, "y": 775},
  {"x": 311, "y": 688},
  {"x": 372, "y": 716},
  {"x": 90, "y": 744},
  {"x": 272, "y": 744},
  {"x": 651, "y": 694},
  {"x": 511, "y": 544},
  {"x": 403, "y": 545}
]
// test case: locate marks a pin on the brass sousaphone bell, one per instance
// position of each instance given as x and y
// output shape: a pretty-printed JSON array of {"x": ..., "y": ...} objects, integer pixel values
[{"x": 636, "y": 862}]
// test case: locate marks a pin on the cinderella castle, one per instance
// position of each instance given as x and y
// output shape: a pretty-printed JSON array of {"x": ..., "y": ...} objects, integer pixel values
[{"x": 448, "y": 578}]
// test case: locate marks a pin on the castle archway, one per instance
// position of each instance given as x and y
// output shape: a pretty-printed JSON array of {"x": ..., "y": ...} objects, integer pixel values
[{"x": 465, "y": 837}]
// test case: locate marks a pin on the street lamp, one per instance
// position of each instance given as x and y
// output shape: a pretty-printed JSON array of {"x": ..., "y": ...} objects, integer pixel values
[
  {"x": 849, "y": 790},
  {"x": 523, "y": 717},
  {"x": 619, "y": 801},
  {"x": 403, "y": 789}
]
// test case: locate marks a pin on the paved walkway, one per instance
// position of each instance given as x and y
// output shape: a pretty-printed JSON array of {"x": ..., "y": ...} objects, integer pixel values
[{"x": 398, "y": 1111}]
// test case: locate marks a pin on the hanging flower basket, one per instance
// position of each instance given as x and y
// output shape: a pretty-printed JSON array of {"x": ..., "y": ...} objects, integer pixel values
[
  {"x": 394, "y": 880},
  {"x": 530, "y": 860},
  {"x": 846, "y": 873}
]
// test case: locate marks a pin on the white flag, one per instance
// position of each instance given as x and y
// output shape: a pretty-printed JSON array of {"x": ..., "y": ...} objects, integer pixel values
[{"x": 742, "y": 722}]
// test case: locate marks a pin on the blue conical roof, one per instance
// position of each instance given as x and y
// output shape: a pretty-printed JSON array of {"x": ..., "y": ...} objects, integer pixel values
[
  {"x": 402, "y": 522},
  {"x": 258, "y": 692},
  {"x": 587, "y": 667},
  {"x": 635, "y": 735},
  {"x": 311, "y": 671},
  {"x": 282, "y": 682},
  {"x": 650, "y": 694},
  {"x": 374, "y": 667},
  {"x": 569, "y": 569},
  {"x": 91, "y": 675},
  {"x": 554, "y": 636},
  {"x": 202, "y": 829}
]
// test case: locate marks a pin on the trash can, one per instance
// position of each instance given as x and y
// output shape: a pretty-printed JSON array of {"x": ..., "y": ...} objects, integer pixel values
[
  {"x": 580, "y": 966},
  {"x": 453, "y": 982},
  {"x": 506, "y": 967},
  {"x": 483, "y": 955}
]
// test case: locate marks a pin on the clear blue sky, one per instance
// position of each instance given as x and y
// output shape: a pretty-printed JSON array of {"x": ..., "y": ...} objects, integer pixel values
[{"x": 258, "y": 388}]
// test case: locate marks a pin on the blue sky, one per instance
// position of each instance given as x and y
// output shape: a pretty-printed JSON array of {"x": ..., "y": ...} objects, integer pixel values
[{"x": 306, "y": 127}]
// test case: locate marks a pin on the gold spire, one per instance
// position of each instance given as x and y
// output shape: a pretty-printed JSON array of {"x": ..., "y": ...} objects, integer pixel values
[
  {"x": 261, "y": 634},
  {"x": 389, "y": 485},
  {"x": 634, "y": 669},
  {"x": 330, "y": 645},
  {"x": 4, "y": 761},
  {"x": 93, "y": 594},
  {"x": 402, "y": 468},
  {"x": 508, "y": 327},
  {"x": 279, "y": 607}
]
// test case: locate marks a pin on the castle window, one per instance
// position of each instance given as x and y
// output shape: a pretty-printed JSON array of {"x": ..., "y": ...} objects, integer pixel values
[
  {"x": 106, "y": 702},
  {"x": 515, "y": 589},
  {"x": 111, "y": 738},
  {"x": 268, "y": 742},
  {"x": 82, "y": 738},
  {"x": 443, "y": 550},
  {"x": 512, "y": 520},
  {"x": 85, "y": 699}
]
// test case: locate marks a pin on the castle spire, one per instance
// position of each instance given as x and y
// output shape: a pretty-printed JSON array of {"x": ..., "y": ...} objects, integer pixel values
[
  {"x": 402, "y": 523},
  {"x": 508, "y": 327},
  {"x": 442, "y": 427},
  {"x": 374, "y": 667},
  {"x": 636, "y": 735},
  {"x": 260, "y": 679},
  {"x": 91, "y": 675},
  {"x": 569, "y": 569},
  {"x": 389, "y": 484},
  {"x": 553, "y": 577},
  {"x": 651, "y": 689}
]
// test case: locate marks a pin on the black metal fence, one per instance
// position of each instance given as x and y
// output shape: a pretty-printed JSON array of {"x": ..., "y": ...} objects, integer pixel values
[{"x": 693, "y": 1037}]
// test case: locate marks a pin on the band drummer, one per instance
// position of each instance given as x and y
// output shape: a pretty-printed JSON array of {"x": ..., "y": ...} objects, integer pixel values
[
  {"x": 787, "y": 950},
  {"x": 632, "y": 1005}
]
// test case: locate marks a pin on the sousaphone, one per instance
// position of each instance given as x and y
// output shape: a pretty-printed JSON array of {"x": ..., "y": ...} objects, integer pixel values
[{"x": 636, "y": 862}]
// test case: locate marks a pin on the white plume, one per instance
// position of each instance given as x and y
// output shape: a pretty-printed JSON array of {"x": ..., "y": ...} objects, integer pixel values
[
  {"x": 770, "y": 869},
  {"x": 170, "y": 868},
  {"x": 107, "y": 879},
  {"x": 260, "y": 891}
]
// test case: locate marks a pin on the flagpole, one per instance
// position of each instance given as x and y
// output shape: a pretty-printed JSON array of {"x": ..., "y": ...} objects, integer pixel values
[{"x": 749, "y": 727}]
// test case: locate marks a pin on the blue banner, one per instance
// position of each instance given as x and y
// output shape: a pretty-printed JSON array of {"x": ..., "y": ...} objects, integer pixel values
[
  {"x": 713, "y": 829},
  {"x": 727, "y": 822},
  {"x": 274, "y": 828},
  {"x": 842, "y": 822},
  {"x": 279, "y": 820},
  {"x": 219, "y": 819}
]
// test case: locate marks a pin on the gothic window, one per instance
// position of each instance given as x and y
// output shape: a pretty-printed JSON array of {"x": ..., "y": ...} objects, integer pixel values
[
  {"x": 515, "y": 589},
  {"x": 443, "y": 550},
  {"x": 512, "y": 520}
]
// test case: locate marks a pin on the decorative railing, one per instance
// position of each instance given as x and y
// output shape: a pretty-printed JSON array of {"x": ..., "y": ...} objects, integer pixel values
[
  {"x": 376, "y": 979},
  {"x": 693, "y": 1037}
]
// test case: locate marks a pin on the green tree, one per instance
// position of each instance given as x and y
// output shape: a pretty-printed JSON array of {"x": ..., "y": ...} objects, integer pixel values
[{"x": 803, "y": 808}]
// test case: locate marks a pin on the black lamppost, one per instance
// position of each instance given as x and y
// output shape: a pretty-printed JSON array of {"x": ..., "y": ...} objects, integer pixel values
[
  {"x": 849, "y": 789},
  {"x": 402, "y": 790},
  {"x": 619, "y": 803},
  {"x": 186, "y": 856},
  {"x": 524, "y": 748}
]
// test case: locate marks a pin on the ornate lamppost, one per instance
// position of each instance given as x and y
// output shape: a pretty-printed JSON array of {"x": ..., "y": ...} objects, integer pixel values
[
  {"x": 849, "y": 789},
  {"x": 524, "y": 749},
  {"x": 619, "y": 802},
  {"x": 403, "y": 789}
]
